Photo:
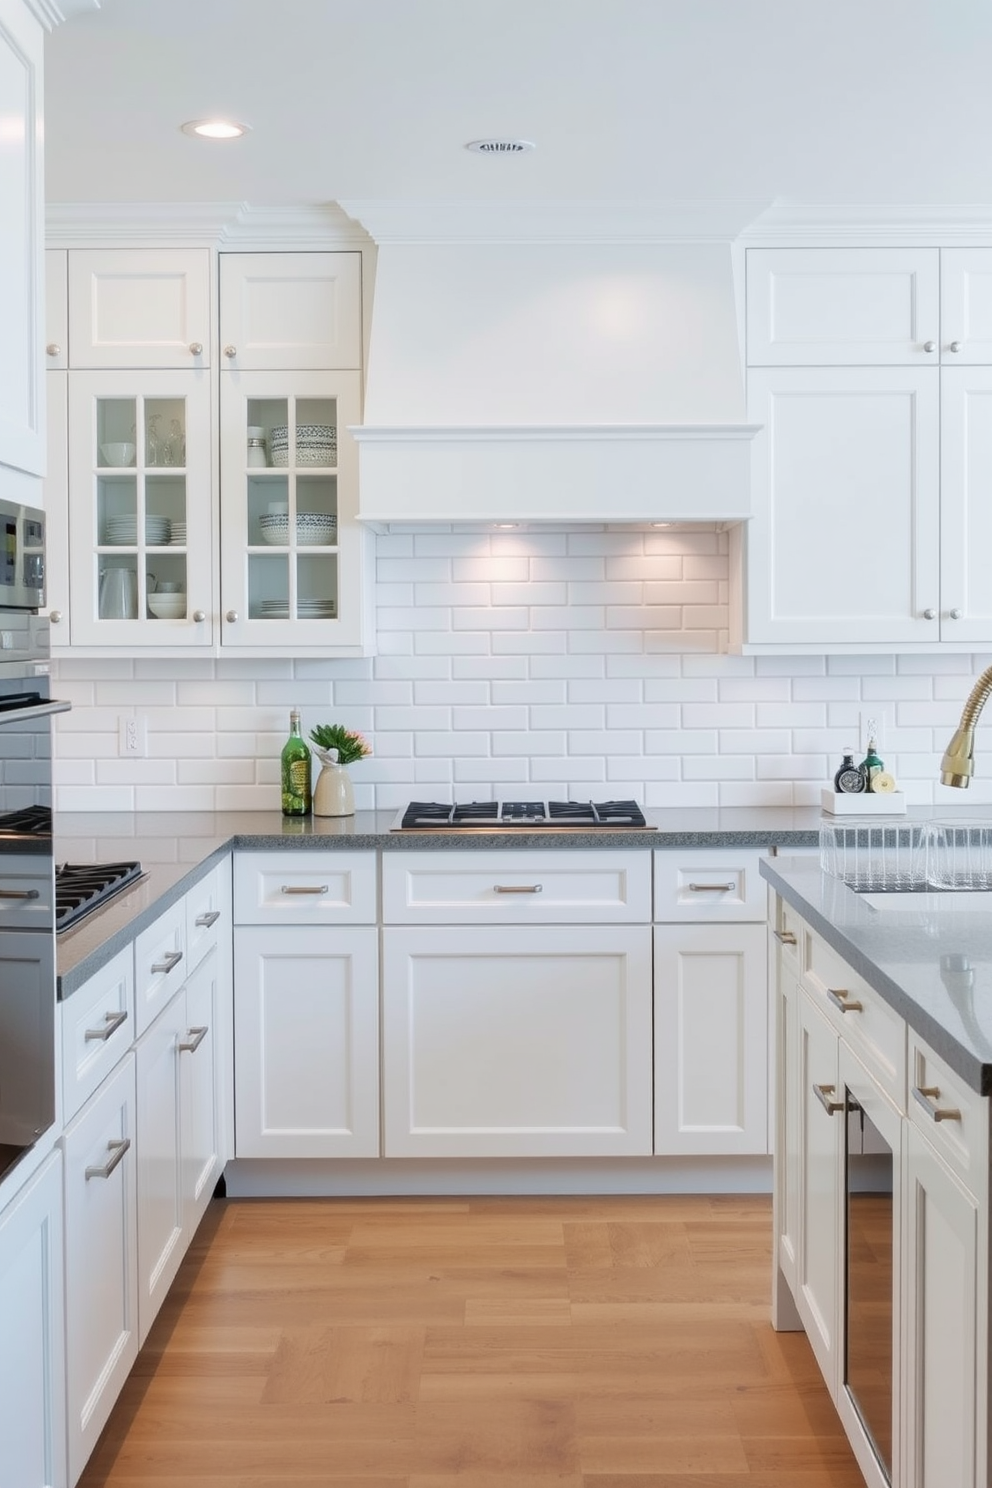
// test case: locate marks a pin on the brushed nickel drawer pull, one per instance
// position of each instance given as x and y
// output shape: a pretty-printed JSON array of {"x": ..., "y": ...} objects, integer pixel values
[
  {"x": 303, "y": 889},
  {"x": 19, "y": 894},
  {"x": 117, "y": 1151},
  {"x": 711, "y": 888},
  {"x": 785, "y": 936},
  {"x": 924, "y": 1094},
  {"x": 207, "y": 919},
  {"x": 114, "y": 1021},
  {"x": 194, "y": 1038},
  {"x": 839, "y": 997},
  {"x": 823, "y": 1094},
  {"x": 171, "y": 961},
  {"x": 518, "y": 888}
]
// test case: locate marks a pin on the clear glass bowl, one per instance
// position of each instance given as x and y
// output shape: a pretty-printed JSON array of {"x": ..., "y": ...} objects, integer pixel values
[
  {"x": 959, "y": 855},
  {"x": 881, "y": 856}
]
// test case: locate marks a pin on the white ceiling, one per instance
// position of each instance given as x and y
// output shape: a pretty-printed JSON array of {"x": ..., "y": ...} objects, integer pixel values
[{"x": 654, "y": 101}]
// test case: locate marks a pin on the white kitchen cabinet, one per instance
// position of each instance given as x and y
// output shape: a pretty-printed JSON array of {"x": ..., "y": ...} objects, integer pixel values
[
  {"x": 22, "y": 362},
  {"x": 140, "y": 506},
  {"x": 57, "y": 312},
  {"x": 101, "y": 1277},
  {"x": 32, "y": 1337},
  {"x": 306, "y": 1039},
  {"x": 818, "y": 1269},
  {"x": 869, "y": 371},
  {"x": 139, "y": 308},
  {"x": 201, "y": 1115},
  {"x": 97, "y": 1030},
  {"x": 291, "y": 311},
  {"x": 160, "y": 964},
  {"x": 535, "y": 1042},
  {"x": 710, "y": 1039}
]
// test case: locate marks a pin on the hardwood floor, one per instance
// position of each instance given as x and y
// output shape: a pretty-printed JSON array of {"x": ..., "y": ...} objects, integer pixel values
[{"x": 475, "y": 1343}]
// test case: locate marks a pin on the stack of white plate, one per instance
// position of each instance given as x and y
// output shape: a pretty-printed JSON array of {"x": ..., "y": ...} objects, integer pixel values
[
  {"x": 123, "y": 531},
  {"x": 316, "y": 444},
  {"x": 178, "y": 530},
  {"x": 306, "y": 609}
]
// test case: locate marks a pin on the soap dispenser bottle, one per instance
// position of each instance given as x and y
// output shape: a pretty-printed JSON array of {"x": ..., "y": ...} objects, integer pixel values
[
  {"x": 871, "y": 765},
  {"x": 850, "y": 778}
]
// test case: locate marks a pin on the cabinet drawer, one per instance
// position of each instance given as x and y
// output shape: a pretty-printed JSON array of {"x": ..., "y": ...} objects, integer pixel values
[
  {"x": 787, "y": 930},
  {"x": 97, "y": 1029},
  {"x": 516, "y": 887},
  {"x": 875, "y": 1033},
  {"x": 208, "y": 915},
  {"x": 305, "y": 888},
  {"x": 953, "y": 1118},
  {"x": 159, "y": 964},
  {"x": 711, "y": 883}
]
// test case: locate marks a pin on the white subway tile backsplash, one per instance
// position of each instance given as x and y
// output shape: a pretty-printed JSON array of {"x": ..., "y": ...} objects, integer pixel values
[{"x": 586, "y": 662}]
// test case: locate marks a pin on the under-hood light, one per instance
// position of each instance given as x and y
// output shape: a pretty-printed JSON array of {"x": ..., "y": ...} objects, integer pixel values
[
  {"x": 215, "y": 129},
  {"x": 500, "y": 146}
]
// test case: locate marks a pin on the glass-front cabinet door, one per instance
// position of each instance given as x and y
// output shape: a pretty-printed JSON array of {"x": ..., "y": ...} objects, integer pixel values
[
  {"x": 290, "y": 549},
  {"x": 140, "y": 510}
]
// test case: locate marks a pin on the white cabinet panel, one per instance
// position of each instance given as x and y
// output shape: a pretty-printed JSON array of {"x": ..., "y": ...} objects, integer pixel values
[
  {"x": 966, "y": 507},
  {"x": 709, "y": 884},
  {"x": 200, "y": 1088},
  {"x": 845, "y": 540},
  {"x": 537, "y": 1044},
  {"x": 291, "y": 311},
  {"x": 306, "y": 1042},
  {"x": 157, "y": 1147},
  {"x": 56, "y": 311},
  {"x": 208, "y": 913},
  {"x": 97, "y": 1028},
  {"x": 146, "y": 307},
  {"x": 966, "y": 306},
  {"x": 516, "y": 887},
  {"x": 710, "y": 1039},
  {"x": 32, "y": 1351},
  {"x": 821, "y": 1177},
  {"x": 842, "y": 307},
  {"x": 305, "y": 888},
  {"x": 159, "y": 964}
]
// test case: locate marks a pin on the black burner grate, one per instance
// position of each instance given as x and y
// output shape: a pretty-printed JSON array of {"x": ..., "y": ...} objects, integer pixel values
[
  {"x": 493, "y": 815},
  {"x": 81, "y": 887},
  {"x": 32, "y": 821}
]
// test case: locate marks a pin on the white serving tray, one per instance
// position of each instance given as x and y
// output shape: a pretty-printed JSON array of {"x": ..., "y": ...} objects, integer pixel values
[{"x": 835, "y": 803}]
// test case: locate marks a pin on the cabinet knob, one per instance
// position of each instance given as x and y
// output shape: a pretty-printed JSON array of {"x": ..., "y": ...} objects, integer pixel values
[
  {"x": 54, "y": 349},
  {"x": 955, "y": 614},
  {"x": 232, "y": 617},
  {"x": 954, "y": 346},
  {"x": 929, "y": 346},
  {"x": 930, "y": 614},
  {"x": 230, "y": 351},
  {"x": 199, "y": 616},
  {"x": 196, "y": 348},
  {"x": 55, "y": 616}
]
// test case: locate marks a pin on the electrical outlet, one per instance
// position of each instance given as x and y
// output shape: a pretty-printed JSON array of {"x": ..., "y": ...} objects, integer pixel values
[
  {"x": 873, "y": 725},
  {"x": 132, "y": 736}
]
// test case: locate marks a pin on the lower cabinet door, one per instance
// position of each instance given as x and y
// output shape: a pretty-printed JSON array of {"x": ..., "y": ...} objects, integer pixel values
[
  {"x": 199, "y": 1094},
  {"x": 710, "y": 1040},
  {"x": 821, "y": 1183},
  {"x": 945, "y": 1335},
  {"x": 32, "y": 1356},
  {"x": 306, "y": 1039},
  {"x": 160, "y": 1200},
  {"x": 532, "y": 1042},
  {"x": 101, "y": 1270}
]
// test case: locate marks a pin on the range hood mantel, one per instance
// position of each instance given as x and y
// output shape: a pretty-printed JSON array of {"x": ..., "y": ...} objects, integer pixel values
[{"x": 554, "y": 381}]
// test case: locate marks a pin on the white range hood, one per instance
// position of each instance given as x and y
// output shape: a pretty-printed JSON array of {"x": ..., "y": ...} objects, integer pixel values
[{"x": 553, "y": 381}]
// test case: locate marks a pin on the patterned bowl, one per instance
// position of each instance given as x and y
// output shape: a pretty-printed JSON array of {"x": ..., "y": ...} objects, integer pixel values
[
  {"x": 316, "y": 444},
  {"x": 313, "y": 529}
]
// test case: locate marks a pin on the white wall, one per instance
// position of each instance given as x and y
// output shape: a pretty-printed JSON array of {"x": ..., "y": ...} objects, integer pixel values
[{"x": 568, "y": 663}]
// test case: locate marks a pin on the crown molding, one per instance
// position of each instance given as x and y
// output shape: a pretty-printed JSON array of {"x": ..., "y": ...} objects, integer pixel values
[
  {"x": 968, "y": 225},
  {"x": 550, "y": 433},
  {"x": 553, "y": 221},
  {"x": 52, "y": 13},
  {"x": 200, "y": 224}
]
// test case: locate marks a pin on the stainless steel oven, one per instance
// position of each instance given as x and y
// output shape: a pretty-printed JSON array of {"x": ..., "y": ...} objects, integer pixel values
[{"x": 27, "y": 890}]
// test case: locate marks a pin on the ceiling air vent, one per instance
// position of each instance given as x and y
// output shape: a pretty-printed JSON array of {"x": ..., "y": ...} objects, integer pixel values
[{"x": 499, "y": 146}]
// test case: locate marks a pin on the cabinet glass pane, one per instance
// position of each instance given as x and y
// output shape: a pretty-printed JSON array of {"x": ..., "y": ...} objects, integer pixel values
[
  {"x": 268, "y": 586},
  {"x": 117, "y": 510},
  {"x": 264, "y": 414},
  {"x": 165, "y": 432},
  {"x": 317, "y": 495},
  {"x": 268, "y": 509},
  {"x": 165, "y": 510},
  {"x": 166, "y": 587},
  {"x": 117, "y": 587},
  {"x": 115, "y": 437},
  {"x": 317, "y": 586}
]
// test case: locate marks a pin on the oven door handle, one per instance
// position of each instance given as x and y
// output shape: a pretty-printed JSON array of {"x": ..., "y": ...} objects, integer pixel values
[{"x": 36, "y": 710}]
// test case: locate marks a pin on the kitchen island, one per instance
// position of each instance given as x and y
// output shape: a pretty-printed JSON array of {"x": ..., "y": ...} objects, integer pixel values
[{"x": 882, "y": 1035}]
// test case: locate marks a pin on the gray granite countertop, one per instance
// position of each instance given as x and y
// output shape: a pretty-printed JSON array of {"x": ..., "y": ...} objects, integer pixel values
[
  {"x": 177, "y": 848},
  {"x": 929, "y": 956}
]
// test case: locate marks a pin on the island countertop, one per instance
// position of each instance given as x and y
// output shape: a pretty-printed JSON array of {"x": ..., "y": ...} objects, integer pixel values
[{"x": 929, "y": 956}]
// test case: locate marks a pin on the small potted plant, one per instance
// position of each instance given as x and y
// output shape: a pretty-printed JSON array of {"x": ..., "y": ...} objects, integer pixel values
[{"x": 336, "y": 747}]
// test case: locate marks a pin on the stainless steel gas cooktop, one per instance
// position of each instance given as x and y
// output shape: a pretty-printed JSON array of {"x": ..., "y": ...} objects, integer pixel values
[{"x": 495, "y": 816}]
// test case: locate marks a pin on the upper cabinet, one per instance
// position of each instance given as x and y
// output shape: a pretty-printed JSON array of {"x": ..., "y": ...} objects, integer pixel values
[
  {"x": 140, "y": 308},
  {"x": 211, "y": 496},
  {"x": 870, "y": 371},
  {"x": 22, "y": 401}
]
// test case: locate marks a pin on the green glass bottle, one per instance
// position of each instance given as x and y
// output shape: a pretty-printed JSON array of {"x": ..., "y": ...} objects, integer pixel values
[
  {"x": 295, "y": 761},
  {"x": 871, "y": 765}
]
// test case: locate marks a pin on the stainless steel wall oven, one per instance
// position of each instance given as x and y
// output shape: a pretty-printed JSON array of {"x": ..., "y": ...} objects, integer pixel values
[{"x": 27, "y": 887}]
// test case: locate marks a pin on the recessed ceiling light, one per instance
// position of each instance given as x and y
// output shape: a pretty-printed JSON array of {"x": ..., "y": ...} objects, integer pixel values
[
  {"x": 506, "y": 526},
  {"x": 662, "y": 524},
  {"x": 500, "y": 146},
  {"x": 216, "y": 129}
]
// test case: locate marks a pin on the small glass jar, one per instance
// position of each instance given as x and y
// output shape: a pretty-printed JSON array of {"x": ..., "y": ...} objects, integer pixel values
[{"x": 256, "y": 448}]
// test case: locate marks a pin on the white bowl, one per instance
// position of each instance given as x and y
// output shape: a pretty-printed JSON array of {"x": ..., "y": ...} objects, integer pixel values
[
  {"x": 120, "y": 453},
  {"x": 167, "y": 606}
]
